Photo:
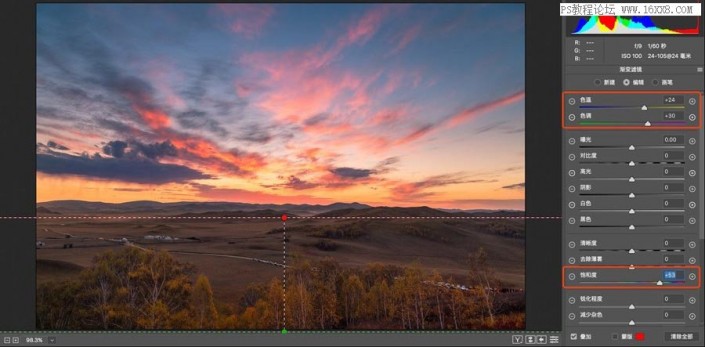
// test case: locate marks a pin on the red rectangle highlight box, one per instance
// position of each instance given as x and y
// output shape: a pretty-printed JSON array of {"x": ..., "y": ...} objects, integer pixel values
[
  {"x": 567, "y": 92},
  {"x": 647, "y": 287}
]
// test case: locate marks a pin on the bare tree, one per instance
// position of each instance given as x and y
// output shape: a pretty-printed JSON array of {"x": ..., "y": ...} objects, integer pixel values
[{"x": 482, "y": 277}]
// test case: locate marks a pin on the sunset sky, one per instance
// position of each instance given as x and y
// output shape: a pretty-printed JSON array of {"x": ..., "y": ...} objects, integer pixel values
[{"x": 395, "y": 105}]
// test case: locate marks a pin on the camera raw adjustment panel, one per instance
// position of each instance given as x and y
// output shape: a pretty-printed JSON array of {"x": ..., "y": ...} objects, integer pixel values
[{"x": 632, "y": 107}]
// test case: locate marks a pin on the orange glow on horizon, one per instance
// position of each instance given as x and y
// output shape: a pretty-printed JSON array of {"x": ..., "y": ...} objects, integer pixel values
[{"x": 50, "y": 187}]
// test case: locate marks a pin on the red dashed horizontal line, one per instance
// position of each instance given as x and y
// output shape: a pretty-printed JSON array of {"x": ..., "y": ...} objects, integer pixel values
[{"x": 271, "y": 217}]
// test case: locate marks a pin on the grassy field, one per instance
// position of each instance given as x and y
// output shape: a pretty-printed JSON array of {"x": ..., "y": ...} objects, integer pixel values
[{"x": 228, "y": 251}]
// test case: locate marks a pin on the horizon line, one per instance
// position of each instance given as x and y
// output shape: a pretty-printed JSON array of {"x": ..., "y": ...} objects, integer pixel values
[{"x": 293, "y": 203}]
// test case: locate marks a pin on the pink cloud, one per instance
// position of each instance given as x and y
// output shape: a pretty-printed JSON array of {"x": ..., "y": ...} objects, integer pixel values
[
  {"x": 210, "y": 156},
  {"x": 161, "y": 74},
  {"x": 304, "y": 82},
  {"x": 310, "y": 154},
  {"x": 144, "y": 104},
  {"x": 313, "y": 159},
  {"x": 369, "y": 142},
  {"x": 405, "y": 38},
  {"x": 194, "y": 149},
  {"x": 299, "y": 84},
  {"x": 394, "y": 79},
  {"x": 366, "y": 27},
  {"x": 329, "y": 128},
  {"x": 155, "y": 118},
  {"x": 303, "y": 96},
  {"x": 244, "y": 90},
  {"x": 415, "y": 134},
  {"x": 463, "y": 116},
  {"x": 247, "y": 20},
  {"x": 390, "y": 115},
  {"x": 479, "y": 109},
  {"x": 360, "y": 98}
]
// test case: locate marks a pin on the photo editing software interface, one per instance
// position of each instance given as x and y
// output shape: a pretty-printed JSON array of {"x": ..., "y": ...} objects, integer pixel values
[{"x": 488, "y": 173}]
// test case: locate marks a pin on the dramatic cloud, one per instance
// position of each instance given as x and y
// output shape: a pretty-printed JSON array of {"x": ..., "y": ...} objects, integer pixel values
[
  {"x": 134, "y": 170},
  {"x": 275, "y": 102},
  {"x": 110, "y": 76},
  {"x": 142, "y": 100},
  {"x": 139, "y": 98}
]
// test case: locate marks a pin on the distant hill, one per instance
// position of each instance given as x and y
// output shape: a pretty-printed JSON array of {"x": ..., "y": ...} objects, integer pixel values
[
  {"x": 44, "y": 210},
  {"x": 422, "y": 211},
  {"x": 387, "y": 212},
  {"x": 186, "y": 208},
  {"x": 145, "y": 207},
  {"x": 495, "y": 213},
  {"x": 476, "y": 211},
  {"x": 257, "y": 213}
]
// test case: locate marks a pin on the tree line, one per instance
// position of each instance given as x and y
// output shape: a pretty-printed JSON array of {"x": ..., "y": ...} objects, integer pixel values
[{"x": 135, "y": 289}]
